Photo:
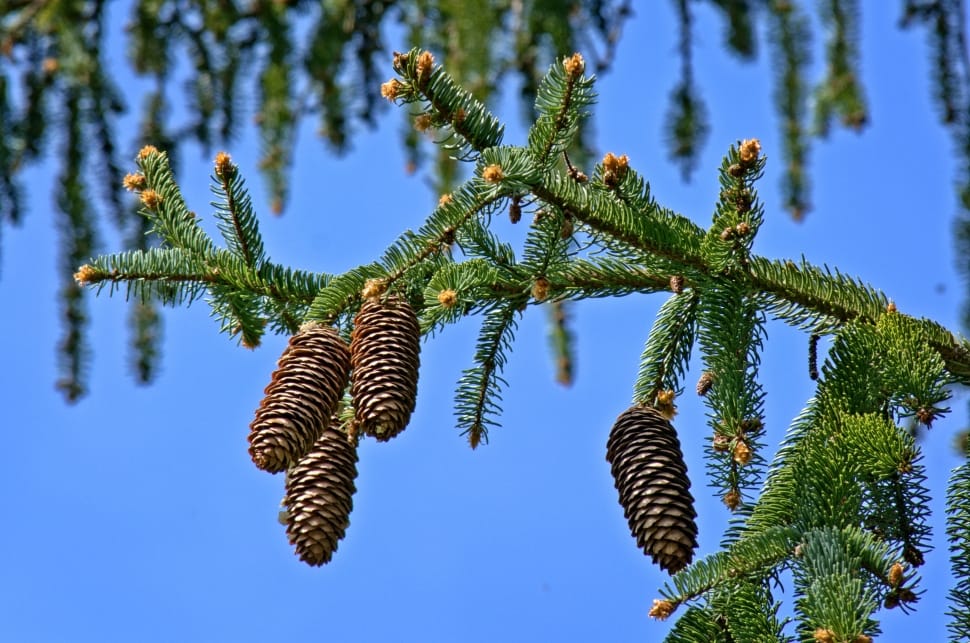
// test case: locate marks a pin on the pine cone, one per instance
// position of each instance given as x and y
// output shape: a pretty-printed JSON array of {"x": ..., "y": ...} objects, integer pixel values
[
  {"x": 651, "y": 477},
  {"x": 319, "y": 497},
  {"x": 312, "y": 374},
  {"x": 384, "y": 351}
]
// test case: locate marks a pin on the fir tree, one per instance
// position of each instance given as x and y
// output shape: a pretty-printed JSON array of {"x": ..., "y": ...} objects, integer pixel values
[{"x": 842, "y": 504}]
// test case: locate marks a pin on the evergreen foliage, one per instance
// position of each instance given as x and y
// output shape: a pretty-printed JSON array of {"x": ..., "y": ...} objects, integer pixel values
[
  {"x": 294, "y": 60},
  {"x": 842, "y": 506}
]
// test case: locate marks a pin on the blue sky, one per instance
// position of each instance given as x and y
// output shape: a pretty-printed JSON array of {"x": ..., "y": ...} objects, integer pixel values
[{"x": 136, "y": 515}]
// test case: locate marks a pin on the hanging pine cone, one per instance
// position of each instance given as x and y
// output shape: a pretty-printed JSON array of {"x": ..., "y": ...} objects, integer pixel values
[
  {"x": 384, "y": 351},
  {"x": 651, "y": 477},
  {"x": 319, "y": 497},
  {"x": 311, "y": 376}
]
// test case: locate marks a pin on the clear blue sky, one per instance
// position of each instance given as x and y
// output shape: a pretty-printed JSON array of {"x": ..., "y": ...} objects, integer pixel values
[{"x": 136, "y": 515}]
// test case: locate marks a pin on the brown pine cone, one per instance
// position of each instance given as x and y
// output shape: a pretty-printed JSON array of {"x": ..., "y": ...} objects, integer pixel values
[
  {"x": 311, "y": 376},
  {"x": 651, "y": 478},
  {"x": 319, "y": 497},
  {"x": 384, "y": 349}
]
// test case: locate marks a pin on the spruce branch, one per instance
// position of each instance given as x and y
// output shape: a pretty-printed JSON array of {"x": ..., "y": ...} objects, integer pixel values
[
  {"x": 562, "y": 340},
  {"x": 237, "y": 220},
  {"x": 686, "y": 118},
  {"x": 731, "y": 333},
  {"x": 80, "y": 238},
  {"x": 164, "y": 206},
  {"x": 447, "y": 224},
  {"x": 829, "y": 593},
  {"x": 475, "y": 127},
  {"x": 958, "y": 534},
  {"x": 696, "y": 624},
  {"x": 840, "y": 92},
  {"x": 478, "y": 395},
  {"x": 603, "y": 277},
  {"x": 668, "y": 348},
  {"x": 561, "y": 100},
  {"x": 750, "y": 557},
  {"x": 790, "y": 38},
  {"x": 343, "y": 293},
  {"x": 747, "y": 612},
  {"x": 460, "y": 289}
]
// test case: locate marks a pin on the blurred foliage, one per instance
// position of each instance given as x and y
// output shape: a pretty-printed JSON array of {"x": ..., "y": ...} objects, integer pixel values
[{"x": 201, "y": 63}]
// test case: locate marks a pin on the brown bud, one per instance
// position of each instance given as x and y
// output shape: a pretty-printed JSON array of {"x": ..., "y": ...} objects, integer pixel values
[
  {"x": 151, "y": 199},
  {"x": 424, "y": 66},
  {"x": 661, "y": 609},
  {"x": 373, "y": 288},
  {"x": 824, "y": 635},
  {"x": 134, "y": 181},
  {"x": 224, "y": 166},
  {"x": 447, "y": 298},
  {"x": 677, "y": 284},
  {"x": 741, "y": 453},
  {"x": 665, "y": 404},
  {"x": 704, "y": 383},
  {"x": 749, "y": 151},
  {"x": 85, "y": 275},
  {"x": 721, "y": 443},
  {"x": 423, "y": 122},
  {"x": 732, "y": 499},
  {"x": 493, "y": 173},
  {"x": 574, "y": 65},
  {"x": 896, "y": 574},
  {"x": 147, "y": 151},
  {"x": 926, "y": 415},
  {"x": 391, "y": 89},
  {"x": 540, "y": 289},
  {"x": 515, "y": 211},
  {"x": 615, "y": 169},
  {"x": 566, "y": 230},
  {"x": 913, "y": 556}
]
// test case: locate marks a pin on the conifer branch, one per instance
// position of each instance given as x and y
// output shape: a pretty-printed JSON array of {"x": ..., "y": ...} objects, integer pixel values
[
  {"x": 686, "y": 121},
  {"x": 603, "y": 277},
  {"x": 237, "y": 220},
  {"x": 80, "y": 239},
  {"x": 562, "y": 96},
  {"x": 749, "y": 557},
  {"x": 668, "y": 348},
  {"x": 164, "y": 206},
  {"x": 696, "y": 624},
  {"x": 789, "y": 37},
  {"x": 561, "y": 338},
  {"x": 840, "y": 91},
  {"x": 475, "y": 126},
  {"x": 958, "y": 534},
  {"x": 479, "y": 387}
]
